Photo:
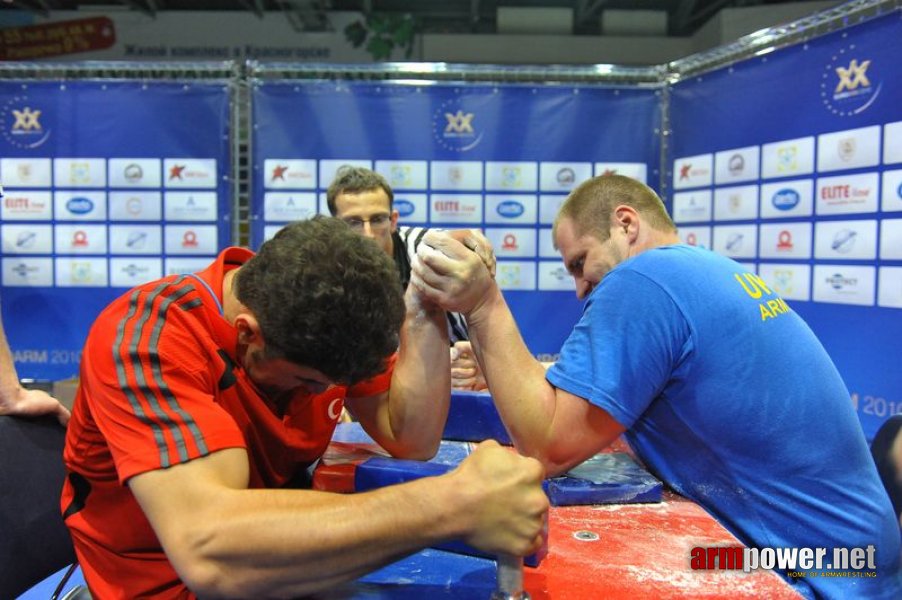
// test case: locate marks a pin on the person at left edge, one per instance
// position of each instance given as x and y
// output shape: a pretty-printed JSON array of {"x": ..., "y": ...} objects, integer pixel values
[
  {"x": 196, "y": 387},
  {"x": 16, "y": 400}
]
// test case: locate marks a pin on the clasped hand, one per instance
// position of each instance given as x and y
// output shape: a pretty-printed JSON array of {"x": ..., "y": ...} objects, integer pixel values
[{"x": 454, "y": 274}]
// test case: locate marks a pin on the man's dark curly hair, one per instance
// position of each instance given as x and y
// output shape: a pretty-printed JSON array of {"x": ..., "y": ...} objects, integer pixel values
[{"x": 325, "y": 298}]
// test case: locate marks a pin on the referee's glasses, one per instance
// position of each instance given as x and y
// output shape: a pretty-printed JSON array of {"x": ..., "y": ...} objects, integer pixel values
[{"x": 376, "y": 222}]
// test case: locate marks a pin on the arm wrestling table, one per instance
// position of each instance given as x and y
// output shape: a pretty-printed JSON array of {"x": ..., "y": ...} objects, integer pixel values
[{"x": 597, "y": 551}]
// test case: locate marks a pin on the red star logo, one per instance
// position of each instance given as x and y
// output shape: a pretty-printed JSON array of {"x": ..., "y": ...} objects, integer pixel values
[
  {"x": 609, "y": 172},
  {"x": 279, "y": 173},
  {"x": 684, "y": 171},
  {"x": 176, "y": 172}
]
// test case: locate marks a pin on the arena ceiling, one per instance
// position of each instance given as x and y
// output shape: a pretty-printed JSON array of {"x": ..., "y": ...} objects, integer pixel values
[{"x": 430, "y": 16}]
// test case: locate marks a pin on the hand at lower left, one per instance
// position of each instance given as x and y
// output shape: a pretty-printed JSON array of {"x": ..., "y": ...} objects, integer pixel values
[{"x": 34, "y": 403}]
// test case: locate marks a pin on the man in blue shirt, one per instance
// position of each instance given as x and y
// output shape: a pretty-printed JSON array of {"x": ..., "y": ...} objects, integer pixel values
[{"x": 721, "y": 388}]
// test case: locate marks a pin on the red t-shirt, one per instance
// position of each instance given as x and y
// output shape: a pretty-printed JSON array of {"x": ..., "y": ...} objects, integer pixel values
[{"x": 160, "y": 385}]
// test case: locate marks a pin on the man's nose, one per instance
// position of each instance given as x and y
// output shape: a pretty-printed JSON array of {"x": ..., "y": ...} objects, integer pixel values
[{"x": 368, "y": 229}]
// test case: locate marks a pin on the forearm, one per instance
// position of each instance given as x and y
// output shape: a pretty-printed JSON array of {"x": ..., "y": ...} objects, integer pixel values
[
  {"x": 524, "y": 398},
  {"x": 289, "y": 543},
  {"x": 9, "y": 381},
  {"x": 420, "y": 389}
]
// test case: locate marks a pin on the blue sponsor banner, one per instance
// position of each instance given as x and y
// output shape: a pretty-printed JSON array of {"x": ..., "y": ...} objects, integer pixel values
[
  {"x": 790, "y": 162},
  {"x": 496, "y": 157},
  {"x": 106, "y": 185}
]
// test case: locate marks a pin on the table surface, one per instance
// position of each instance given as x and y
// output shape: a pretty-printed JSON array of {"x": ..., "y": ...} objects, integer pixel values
[{"x": 605, "y": 551}]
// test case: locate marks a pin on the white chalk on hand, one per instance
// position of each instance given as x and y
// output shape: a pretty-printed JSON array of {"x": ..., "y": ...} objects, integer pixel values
[{"x": 425, "y": 249}]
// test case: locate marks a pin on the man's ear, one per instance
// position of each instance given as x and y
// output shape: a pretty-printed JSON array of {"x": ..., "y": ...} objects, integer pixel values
[
  {"x": 248, "y": 329},
  {"x": 626, "y": 219},
  {"x": 394, "y": 220}
]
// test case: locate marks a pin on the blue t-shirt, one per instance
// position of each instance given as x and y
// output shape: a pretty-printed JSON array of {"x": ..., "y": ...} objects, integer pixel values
[{"x": 729, "y": 398}]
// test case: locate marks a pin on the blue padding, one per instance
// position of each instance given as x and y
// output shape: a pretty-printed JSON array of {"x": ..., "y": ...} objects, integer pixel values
[
  {"x": 611, "y": 478},
  {"x": 473, "y": 417},
  {"x": 379, "y": 472},
  {"x": 428, "y": 574}
]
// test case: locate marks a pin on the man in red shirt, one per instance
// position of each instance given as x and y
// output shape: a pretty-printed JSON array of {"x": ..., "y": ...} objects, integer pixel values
[{"x": 204, "y": 397}]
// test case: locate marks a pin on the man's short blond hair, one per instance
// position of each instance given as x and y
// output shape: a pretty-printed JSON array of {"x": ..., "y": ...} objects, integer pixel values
[{"x": 591, "y": 205}]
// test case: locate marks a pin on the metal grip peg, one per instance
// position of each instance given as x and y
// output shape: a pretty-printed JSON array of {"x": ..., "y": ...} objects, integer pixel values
[{"x": 510, "y": 579}]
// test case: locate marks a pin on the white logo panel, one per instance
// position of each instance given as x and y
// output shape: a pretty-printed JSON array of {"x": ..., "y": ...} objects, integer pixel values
[
  {"x": 26, "y": 239},
  {"x": 289, "y": 174},
  {"x": 891, "y": 191},
  {"x": 514, "y": 176},
  {"x": 412, "y": 208},
  {"x": 28, "y": 272},
  {"x": 510, "y": 208},
  {"x": 850, "y": 149},
  {"x": 190, "y": 172},
  {"x": 129, "y": 272},
  {"x": 81, "y": 272},
  {"x": 695, "y": 236},
  {"x": 844, "y": 284},
  {"x": 785, "y": 240},
  {"x": 190, "y": 206},
  {"x": 25, "y": 172},
  {"x": 136, "y": 239},
  {"x": 787, "y": 199},
  {"x": 191, "y": 239},
  {"x": 516, "y": 275},
  {"x": 554, "y": 277},
  {"x": 889, "y": 289},
  {"x": 79, "y": 172},
  {"x": 791, "y": 281},
  {"x": 26, "y": 205},
  {"x": 692, "y": 171},
  {"x": 80, "y": 239},
  {"x": 546, "y": 244},
  {"x": 787, "y": 158},
  {"x": 891, "y": 239},
  {"x": 79, "y": 206},
  {"x": 183, "y": 266},
  {"x": 456, "y": 208},
  {"x": 847, "y": 194},
  {"x": 287, "y": 206},
  {"x": 136, "y": 206},
  {"x": 892, "y": 143},
  {"x": 135, "y": 172},
  {"x": 738, "y": 203},
  {"x": 456, "y": 175},
  {"x": 845, "y": 240},
  {"x": 734, "y": 166},
  {"x": 736, "y": 241},
  {"x": 562, "y": 177},
  {"x": 549, "y": 206},
  {"x": 511, "y": 242},
  {"x": 689, "y": 207},
  {"x": 638, "y": 171},
  {"x": 404, "y": 174}
]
